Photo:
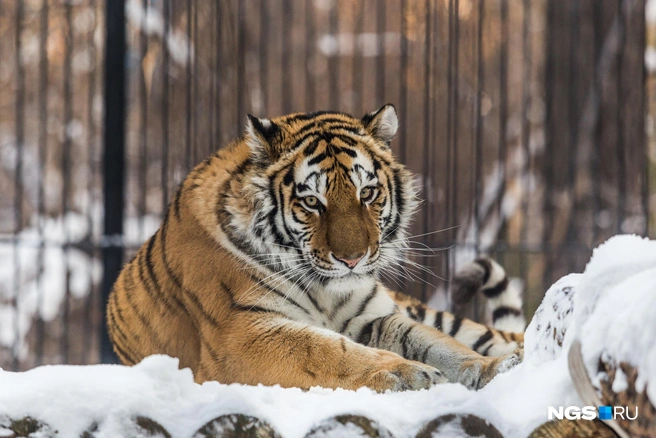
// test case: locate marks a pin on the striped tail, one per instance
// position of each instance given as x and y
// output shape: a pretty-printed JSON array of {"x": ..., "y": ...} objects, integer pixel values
[{"x": 504, "y": 297}]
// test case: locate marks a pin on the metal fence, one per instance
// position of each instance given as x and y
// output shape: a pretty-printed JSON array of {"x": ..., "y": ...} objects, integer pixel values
[{"x": 527, "y": 122}]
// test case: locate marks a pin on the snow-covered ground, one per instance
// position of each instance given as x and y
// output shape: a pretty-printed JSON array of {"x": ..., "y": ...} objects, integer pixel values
[{"x": 610, "y": 308}]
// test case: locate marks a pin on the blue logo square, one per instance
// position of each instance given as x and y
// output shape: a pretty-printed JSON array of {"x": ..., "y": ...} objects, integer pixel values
[{"x": 605, "y": 412}]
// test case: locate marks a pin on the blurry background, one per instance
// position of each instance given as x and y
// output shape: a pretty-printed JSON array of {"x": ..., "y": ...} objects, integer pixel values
[{"x": 528, "y": 123}]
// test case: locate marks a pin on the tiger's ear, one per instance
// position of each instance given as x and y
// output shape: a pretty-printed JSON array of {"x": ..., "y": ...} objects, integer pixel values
[
  {"x": 382, "y": 124},
  {"x": 263, "y": 138}
]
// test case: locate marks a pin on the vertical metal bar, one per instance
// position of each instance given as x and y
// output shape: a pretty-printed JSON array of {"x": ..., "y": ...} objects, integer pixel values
[
  {"x": 91, "y": 163},
  {"x": 41, "y": 151},
  {"x": 358, "y": 84},
  {"x": 428, "y": 96},
  {"x": 213, "y": 65},
  {"x": 264, "y": 51},
  {"x": 218, "y": 40},
  {"x": 18, "y": 178},
  {"x": 66, "y": 171},
  {"x": 548, "y": 164},
  {"x": 619, "y": 120},
  {"x": 166, "y": 14},
  {"x": 454, "y": 134},
  {"x": 287, "y": 88},
  {"x": 403, "y": 104},
  {"x": 573, "y": 120},
  {"x": 310, "y": 94},
  {"x": 598, "y": 91},
  {"x": 645, "y": 189},
  {"x": 241, "y": 80},
  {"x": 92, "y": 160},
  {"x": 503, "y": 107},
  {"x": 526, "y": 136},
  {"x": 188, "y": 112},
  {"x": 333, "y": 61},
  {"x": 143, "y": 127},
  {"x": 194, "y": 91},
  {"x": 435, "y": 116},
  {"x": 476, "y": 140},
  {"x": 380, "y": 59},
  {"x": 449, "y": 134},
  {"x": 113, "y": 158},
  {"x": 403, "y": 109},
  {"x": 480, "y": 76}
]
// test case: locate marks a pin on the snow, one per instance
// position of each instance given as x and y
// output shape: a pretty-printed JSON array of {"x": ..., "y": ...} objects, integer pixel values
[
  {"x": 610, "y": 308},
  {"x": 615, "y": 312}
]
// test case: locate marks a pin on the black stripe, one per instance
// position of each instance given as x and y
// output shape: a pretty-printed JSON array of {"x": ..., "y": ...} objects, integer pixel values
[
  {"x": 363, "y": 305},
  {"x": 167, "y": 268},
  {"x": 255, "y": 309},
  {"x": 282, "y": 204},
  {"x": 241, "y": 307},
  {"x": 119, "y": 315},
  {"x": 455, "y": 325},
  {"x": 277, "y": 292},
  {"x": 438, "y": 321},
  {"x": 343, "y": 300},
  {"x": 318, "y": 159},
  {"x": 125, "y": 357},
  {"x": 482, "y": 340},
  {"x": 495, "y": 291},
  {"x": 178, "y": 283},
  {"x": 264, "y": 338},
  {"x": 487, "y": 349},
  {"x": 487, "y": 268},
  {"x": 176, "y": 202},
  {"x": 394, "y": 188},
  {"x": 404, "y": 339},
  {"x": 421, "y": 312},
  {"x": 210, "y": 350},
  {"x": 316, "y": 114},
  {"x": 364, "y": 337},
  {"x": 312, "y": 147},
  {"x": 288, "y": 179},
  {"x": 424, "y": 356},
  {"x": 115, "y": 328},
  {"x": 325, "y": 126},
  {"x": 347, "y": 140},
  {"x": 503, "y": 311},
  {"x": 144, "y": 321},
  {"x": 157, "y": 294}
]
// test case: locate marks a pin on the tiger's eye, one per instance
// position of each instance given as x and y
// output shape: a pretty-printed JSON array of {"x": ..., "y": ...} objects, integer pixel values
[
  {"x": 311, "y": 201},
  {"x": 366, "y": 193}
]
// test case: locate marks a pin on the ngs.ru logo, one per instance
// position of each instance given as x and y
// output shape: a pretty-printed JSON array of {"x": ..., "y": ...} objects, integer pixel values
[{"x": 591, "y": 413}]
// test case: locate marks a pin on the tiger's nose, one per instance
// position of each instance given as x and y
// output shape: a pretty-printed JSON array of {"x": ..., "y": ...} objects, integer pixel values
[{"x": 350, "y": 262}]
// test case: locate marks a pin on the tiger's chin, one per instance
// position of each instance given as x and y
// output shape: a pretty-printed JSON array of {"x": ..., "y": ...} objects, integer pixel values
[{"x": 349, "y": 283}]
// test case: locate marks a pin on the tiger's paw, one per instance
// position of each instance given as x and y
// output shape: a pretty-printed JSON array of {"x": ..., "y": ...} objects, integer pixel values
[
  {"x": 402, "y": 374},
  {"x": 476, "y": 374}
]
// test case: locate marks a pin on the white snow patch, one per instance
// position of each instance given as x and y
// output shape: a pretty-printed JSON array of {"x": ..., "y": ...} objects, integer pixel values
[{"x": 615, "y": 308}]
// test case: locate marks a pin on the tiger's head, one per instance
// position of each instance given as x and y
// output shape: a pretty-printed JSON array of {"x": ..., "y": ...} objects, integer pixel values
[{"x": 331, "y": 202}]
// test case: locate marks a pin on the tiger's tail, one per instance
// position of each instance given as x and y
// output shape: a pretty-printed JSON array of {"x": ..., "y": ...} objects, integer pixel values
[{"x": 504, "y": 297}]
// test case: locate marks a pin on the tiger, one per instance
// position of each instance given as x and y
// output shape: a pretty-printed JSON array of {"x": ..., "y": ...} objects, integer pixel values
[{"x": 265, "y": 269}]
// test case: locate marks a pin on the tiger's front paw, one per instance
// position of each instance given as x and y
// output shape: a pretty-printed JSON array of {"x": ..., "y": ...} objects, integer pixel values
[
  {"x": 475, "y": 374},
  {"x": 401, "y": 374}
]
